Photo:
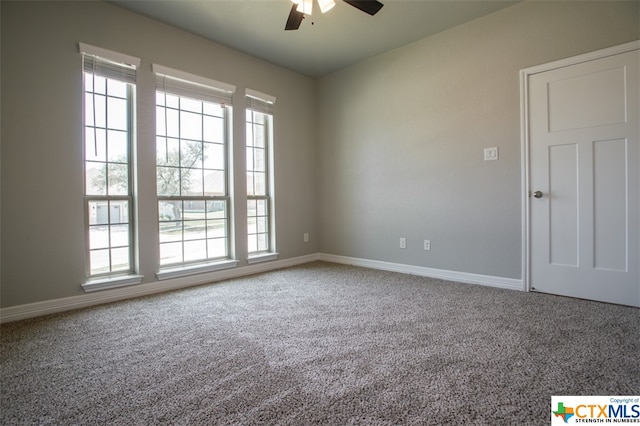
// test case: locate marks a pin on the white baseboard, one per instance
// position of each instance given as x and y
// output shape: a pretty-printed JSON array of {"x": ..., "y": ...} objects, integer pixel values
[
  {"x": 462, "y": 277},
  {"x": 30, "y": 310}
]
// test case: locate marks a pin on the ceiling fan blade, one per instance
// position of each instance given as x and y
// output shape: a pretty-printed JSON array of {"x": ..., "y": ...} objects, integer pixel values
[
  {"x": 295, "y": 19},
  {"x": 368, "y": 6}
]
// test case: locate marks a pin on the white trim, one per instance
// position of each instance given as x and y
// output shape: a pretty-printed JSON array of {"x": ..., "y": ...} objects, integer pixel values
[
  {"x": 524, "y": 136},
  {"x": 192, "y": 78},
  {"x": 109, "y": 55},
  {"x": 95, "y": 284},
  {"x": 15, "y": 313},
  {"x": 524, "y": 170},
  {"x": 586, "y": 57},
  {"x": 462, "y": 277},
  {"x": 263, "y": 257},
  {"x": 30, "y": 310},
  {"x": 183, "y": 271},
  {"x": 260, "y": 96}
]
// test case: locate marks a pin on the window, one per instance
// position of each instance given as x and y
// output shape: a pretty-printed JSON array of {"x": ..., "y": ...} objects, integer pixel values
[
  {"x": 109, "y": 99},
  {"x": 259, "y": 144},
  {"x": 192, "y": 171}
]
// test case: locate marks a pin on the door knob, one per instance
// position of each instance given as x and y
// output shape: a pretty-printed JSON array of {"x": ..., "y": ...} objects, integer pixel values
[{"x": 537, "y": 194}]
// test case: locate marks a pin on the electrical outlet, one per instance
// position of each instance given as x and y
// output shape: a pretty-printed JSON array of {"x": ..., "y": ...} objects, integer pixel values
[
  {"x": 427, "y": 245},
  {"x": 306, "y": 237},
  {"x": 403, "y": 243}
]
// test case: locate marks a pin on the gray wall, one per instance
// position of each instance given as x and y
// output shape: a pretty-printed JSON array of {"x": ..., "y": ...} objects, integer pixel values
[
  {"x": 42, "y": 191},
  {"x": 401, "y": 137}
]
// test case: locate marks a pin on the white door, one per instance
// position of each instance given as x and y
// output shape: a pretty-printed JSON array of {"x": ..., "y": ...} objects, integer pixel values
[{"x": 584, "y": 179}]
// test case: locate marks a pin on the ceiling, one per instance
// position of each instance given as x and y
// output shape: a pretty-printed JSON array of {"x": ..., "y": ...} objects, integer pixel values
[{"x": 325, "y": 42}]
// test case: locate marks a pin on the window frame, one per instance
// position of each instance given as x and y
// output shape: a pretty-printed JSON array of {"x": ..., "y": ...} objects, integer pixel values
[
  {"x": 112, "y": 66},
  {"x": 260, "y": 103},
  {"x": 182, "y": 85}
]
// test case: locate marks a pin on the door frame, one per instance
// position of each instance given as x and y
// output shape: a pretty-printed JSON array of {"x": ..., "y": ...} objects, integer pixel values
[{"x": 525, "y": 143}]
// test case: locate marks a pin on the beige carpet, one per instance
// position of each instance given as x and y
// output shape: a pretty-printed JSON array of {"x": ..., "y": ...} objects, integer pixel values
[{"x": 318, "y": 344}]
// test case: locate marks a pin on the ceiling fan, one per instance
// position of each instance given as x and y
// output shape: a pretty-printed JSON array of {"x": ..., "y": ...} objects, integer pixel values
[{"x": 301, "y": 8}]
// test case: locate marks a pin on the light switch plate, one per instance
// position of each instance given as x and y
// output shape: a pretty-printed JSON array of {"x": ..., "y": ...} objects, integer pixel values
[{"x": 491, "y": 154}]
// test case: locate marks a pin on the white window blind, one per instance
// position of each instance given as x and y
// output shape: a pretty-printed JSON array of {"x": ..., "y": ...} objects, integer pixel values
[
  {"x": 107, "y": 63},
  {"x": 259, "y": 102},
  {"x": 192, "y": 86}
]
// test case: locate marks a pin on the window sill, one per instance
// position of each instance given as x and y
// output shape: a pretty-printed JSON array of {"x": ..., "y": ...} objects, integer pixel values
[
  {"x": 183, "y": 271},
  {"x": 96, "y": 284},
  {"x": 262, "y": 257}
]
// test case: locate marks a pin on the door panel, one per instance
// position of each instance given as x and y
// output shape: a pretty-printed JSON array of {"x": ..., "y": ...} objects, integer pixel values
[
  {"x": 589, "y": 100},
  {"x": 563, "y": 209},
  {"x": 584, "y": 158},
  {"x": 610, "y": 205}
]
